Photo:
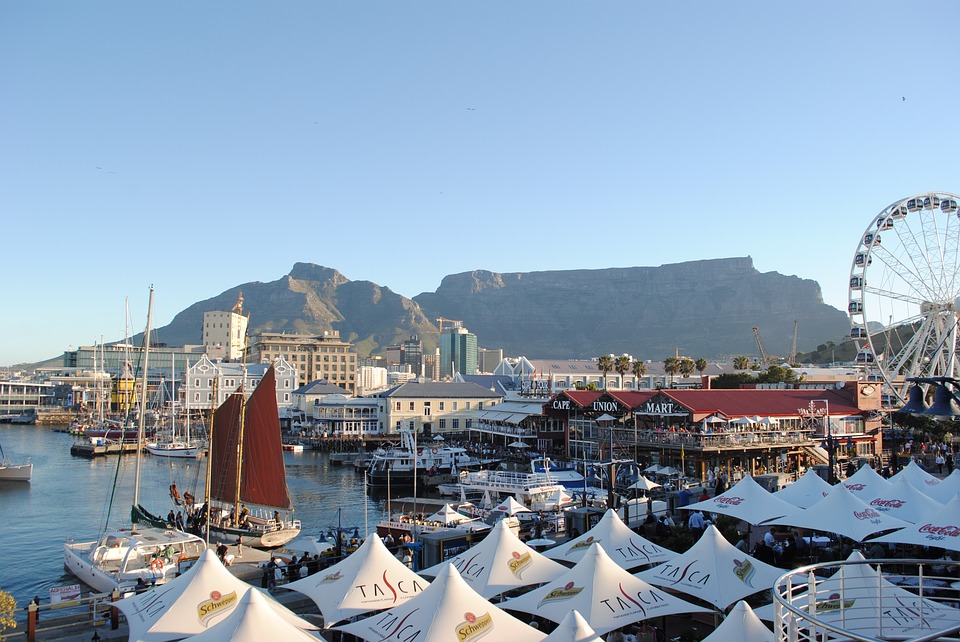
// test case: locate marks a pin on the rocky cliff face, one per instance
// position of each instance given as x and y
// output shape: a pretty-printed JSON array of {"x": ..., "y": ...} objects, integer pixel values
[{"x": 704, "y": 308}]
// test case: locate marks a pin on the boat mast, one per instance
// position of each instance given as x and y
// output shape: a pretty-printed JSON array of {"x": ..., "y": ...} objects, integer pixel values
[
  {"x": 207, "y": 499},
  {"x": 143, "y": 402},
  {"x": 243, "y": 421}
]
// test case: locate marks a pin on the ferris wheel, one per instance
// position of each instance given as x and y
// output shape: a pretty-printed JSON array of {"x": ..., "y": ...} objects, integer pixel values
[{"x": 904, "y": 290}]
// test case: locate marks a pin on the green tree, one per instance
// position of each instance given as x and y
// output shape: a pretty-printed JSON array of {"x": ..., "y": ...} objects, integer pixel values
[
  {"x": 605, "y": 365},
  {"x": 701, "y": 365},
  {"x": 731, "y": 380},
  {"x": 638, "y": 368},
  {"x": 671, "y": 365},
  {"x": 741, "y": 362},
  {"x": 622, "y": 365},
  {"x": 777, "y": 374}
]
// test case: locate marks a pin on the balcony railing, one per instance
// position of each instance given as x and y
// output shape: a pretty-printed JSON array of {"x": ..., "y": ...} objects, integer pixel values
[{"x": 707, "y": 441}]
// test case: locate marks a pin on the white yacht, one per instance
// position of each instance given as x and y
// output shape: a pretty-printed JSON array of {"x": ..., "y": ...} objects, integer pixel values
[{"x": 119, "y": 558}]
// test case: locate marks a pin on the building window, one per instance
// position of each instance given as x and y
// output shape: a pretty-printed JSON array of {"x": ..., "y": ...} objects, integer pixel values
[
  {"x": 426, "y": 408},
  {"x": 455, "y": 404},
  {"x": 411, "y": 406},
  {"x": 456, "y": 424},
  {"x": 441, "y": 406},
  {"x": 397, "y": 406},
  {"x": 443, "y": 424},
  {"x": 412, "y": 425}
]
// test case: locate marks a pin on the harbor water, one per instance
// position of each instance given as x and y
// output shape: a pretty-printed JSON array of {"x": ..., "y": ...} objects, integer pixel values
[{"x": 75, "y": 497}]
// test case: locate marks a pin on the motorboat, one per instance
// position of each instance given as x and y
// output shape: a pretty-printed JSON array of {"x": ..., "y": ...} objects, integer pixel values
[
  {"x": 399, "y": 466},
  {"x": 122, "y": 557},
  {"x": 14, "y": 471}
]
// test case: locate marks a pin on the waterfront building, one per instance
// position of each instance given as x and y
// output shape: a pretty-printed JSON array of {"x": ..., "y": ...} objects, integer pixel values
[
  {"x": 344, "y": 417},
  {"x": 225, "y": 333},
  {"x": 458, "y": 351},
  {"x": 119, "y": 358},
  {"x": 315, "y": 357},
  {"x": 435, "y": 407},
  {"x": 752, "y": 430},
  {"x": 17, "y": 397},
  {"x": 306, "y": 398},
  {"x": 209, "y": 383}
]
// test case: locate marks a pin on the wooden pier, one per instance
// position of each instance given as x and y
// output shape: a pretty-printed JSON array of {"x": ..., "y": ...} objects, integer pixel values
[{"x": 90, "y": 450}]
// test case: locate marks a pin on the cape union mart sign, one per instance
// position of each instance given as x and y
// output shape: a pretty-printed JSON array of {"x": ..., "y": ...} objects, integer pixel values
[{"x": 596, "y": 406}]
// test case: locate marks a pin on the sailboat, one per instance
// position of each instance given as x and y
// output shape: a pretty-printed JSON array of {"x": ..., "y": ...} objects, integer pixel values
[
  {"x": 247, "y": 483},
  {"x": 14, "y": 471},
  {"x": 177, "y": 445}
]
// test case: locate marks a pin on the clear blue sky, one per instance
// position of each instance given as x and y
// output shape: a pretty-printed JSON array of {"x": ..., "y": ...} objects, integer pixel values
[{"x": 201, "y": 145}]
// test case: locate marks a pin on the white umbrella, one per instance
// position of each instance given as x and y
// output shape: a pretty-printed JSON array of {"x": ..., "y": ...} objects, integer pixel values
[
  {"x": 741, "y": 624},
  {"x": 541, "y": 541},
  {"x": 573, "y": 628},
  {"x": 713, "y": 419},
  {"x": 311, "y": 545},
  {"x": 369, "y": 579},
  {"x": 192, "y": 603},
  {"x": 917, "y": 476},
  {"x": 627, "y": 549},
  {"x": 841, "y": 512},
  {"x": 746, "y": 500},
  {"x": 447, "y": 516},
  {"x": 518, "y": 444},
  {"x": 448, "y": 609},
  {"x": 511, "y": 507},
  {"x": 742, "y": 421},
  {"x": 858, "y": 599},
  {"x": 806, "y": 491},
  {"x": 254, "y": 620},
  {"x": 438, "y": 437},
  {"x": 644, "y": 484},
  {"x": 941, "y": 529},
  {"x": 904, "y": 501},
  {"x": 947, "y": 488},
  {"x": 715, "y": 571},
  {"x": 769, "y": 421},
  {"x": 593, "y": 587},
  {"x": 499, "y": 563},
  {"x": 866, "y": 483},
  {"x": 668, "y": 470},
  {"x": 653, "y": 468}
]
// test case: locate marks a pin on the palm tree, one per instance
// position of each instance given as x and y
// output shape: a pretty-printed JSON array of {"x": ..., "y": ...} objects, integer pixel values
[
  {"x": 701, "y": 364},
  {"x": 671, "y": 365},
  {"x": 621, "y": 364},
  {"x": 741, "y": 362},
  {"x": 605, "y": 365},
  {"x": 638, "y": 368},
  {"x": 687, "y": 366}
]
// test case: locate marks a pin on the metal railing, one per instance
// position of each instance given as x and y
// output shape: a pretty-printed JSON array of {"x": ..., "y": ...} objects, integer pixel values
[
  {"x": 51, "y": 621},
  {"x": 869, "y": 600}
]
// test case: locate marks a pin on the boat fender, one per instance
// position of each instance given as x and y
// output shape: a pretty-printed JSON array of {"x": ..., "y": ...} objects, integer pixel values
[
  {"x": 156, "y": 564},
  {"x": 434, "y": 451}
]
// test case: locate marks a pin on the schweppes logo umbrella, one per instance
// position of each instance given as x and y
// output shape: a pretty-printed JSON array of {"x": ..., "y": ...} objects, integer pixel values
[
  {"x": 499, "y": 563},
  {"x": 448, "y": 609}
]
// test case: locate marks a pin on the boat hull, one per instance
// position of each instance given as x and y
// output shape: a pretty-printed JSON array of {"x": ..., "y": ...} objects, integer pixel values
[
  {"x": 16, "y": 472},
  {"x": 174, "y": 449}
]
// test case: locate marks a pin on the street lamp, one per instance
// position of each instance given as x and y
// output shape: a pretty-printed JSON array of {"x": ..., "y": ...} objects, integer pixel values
[{"x": 829, "y": 443}]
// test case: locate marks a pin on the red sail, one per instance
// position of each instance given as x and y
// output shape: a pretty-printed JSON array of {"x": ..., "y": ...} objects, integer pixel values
[
  {"x": 223, "y": 449},
  {"x": 264, "y": 480}
]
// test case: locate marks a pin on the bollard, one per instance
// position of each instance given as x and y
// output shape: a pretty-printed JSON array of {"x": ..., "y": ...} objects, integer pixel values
[
  {"x": 32, "y": 621},
  {"x": 114, "y": 611}
]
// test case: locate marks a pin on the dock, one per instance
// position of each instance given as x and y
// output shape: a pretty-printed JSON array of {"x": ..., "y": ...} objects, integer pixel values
[{"x": 90, "y": 450}]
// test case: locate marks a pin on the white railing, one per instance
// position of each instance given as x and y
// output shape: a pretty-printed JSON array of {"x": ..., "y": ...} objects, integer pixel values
[{"x": 869, "y": 600}]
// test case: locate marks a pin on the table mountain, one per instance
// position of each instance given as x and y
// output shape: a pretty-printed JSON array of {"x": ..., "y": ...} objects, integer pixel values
[{"x": 704, "y": 308}]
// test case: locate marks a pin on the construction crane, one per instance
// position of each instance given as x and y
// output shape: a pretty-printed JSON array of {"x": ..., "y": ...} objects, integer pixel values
[
  {"x": 763, "y": 351},
  {"x": 452, "y": 322},
  {"x": 793, "y": 345}
]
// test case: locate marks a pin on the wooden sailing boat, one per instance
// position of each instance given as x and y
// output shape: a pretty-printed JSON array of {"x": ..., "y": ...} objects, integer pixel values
[{"x": 247, "y": 477}]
